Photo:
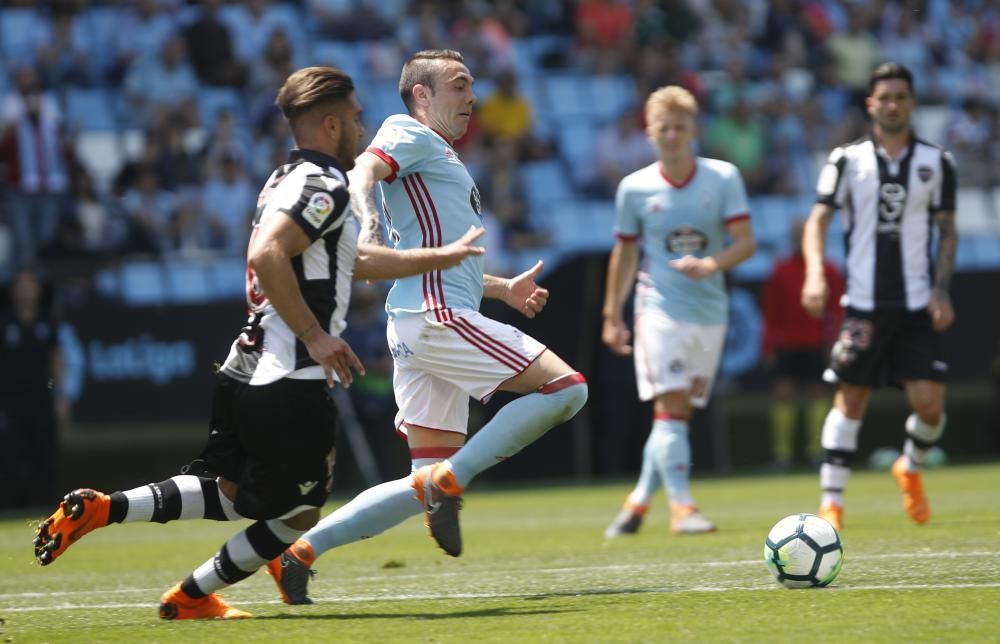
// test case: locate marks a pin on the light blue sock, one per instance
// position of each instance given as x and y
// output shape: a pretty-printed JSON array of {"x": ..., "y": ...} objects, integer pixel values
[
  {"x": 370, "y": 513},
  {"x": 519, "y": 424},
  {"x": 649, "y": 477},
  {"x": 672, "y": 456}
]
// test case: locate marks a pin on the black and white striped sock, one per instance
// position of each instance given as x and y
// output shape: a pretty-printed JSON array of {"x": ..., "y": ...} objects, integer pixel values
[
  {"x": 181, "y": 497},
  {"x": 241, "y": 557}
]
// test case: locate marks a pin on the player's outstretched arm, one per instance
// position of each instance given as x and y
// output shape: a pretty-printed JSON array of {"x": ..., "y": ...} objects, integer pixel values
[
  {"x": 623, "y": 265},
  {"x": 520, "y": 292},
  {"x": 814, "y": 289},
  {"x": 939, "y": 307},
  {"x": 271, "y": 250},
  {"x": 381, "y": 263}
]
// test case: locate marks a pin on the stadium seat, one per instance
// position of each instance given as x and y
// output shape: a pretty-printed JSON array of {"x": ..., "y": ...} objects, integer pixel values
[
  {"x": 89, "y": 109},
  {"x": 756, "y": 268},
  {"x": 102, "y": 24},
  {"x": 576, "y": 145},
  {"x": 931, "y": 122},
  {"x": 565, "y": 95},
  {"x": 545, "y": 182},
  {"x": 100, "y": 152},
  {"x": 187, "y": 281},
  {"x": 606, "y": 97},
  {"x": 142, "y": 283},
  {"x": 344, "y": 55},
  {"x": 227, "y": 277},
  {"x": 17, "y": 34}
]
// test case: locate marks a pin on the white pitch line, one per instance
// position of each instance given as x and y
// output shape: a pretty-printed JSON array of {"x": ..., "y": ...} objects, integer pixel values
[
  {"x": 542, "y": 595},
  {"x": 533, "y": 571}
]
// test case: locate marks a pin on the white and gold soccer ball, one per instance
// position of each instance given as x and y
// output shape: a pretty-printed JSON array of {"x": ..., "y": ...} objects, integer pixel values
[{"x": 803, "y": 551}]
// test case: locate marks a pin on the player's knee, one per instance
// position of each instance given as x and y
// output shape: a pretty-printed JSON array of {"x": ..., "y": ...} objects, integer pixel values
[
  {"x": 924, "y": 432},
  {"x": 929, "y": 409},
  {"x": 840, "y": 433},
  {"x": 571, "y": 390}
]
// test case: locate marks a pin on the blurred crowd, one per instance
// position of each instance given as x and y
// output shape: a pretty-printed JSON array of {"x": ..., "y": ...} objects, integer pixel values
[{"x": 779, "y": 82}]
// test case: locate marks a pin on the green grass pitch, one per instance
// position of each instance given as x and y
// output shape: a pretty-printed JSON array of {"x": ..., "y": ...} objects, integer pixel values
[{"x": 536, "y": 568}]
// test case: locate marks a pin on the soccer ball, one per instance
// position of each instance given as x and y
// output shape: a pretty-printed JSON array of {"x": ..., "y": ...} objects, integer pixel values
[{"x": 803, "y": 551}]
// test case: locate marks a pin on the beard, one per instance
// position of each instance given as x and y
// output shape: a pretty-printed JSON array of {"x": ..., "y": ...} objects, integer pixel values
[{"x": 893, "y": 127}]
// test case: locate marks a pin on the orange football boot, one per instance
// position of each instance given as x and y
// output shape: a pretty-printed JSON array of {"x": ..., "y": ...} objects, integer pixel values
[
  {"x": 176, "y": 604},
  {"x": 292, "y": 570},
  {"x": 80, "y": 512},
  {"x": 911, "y": 483}
]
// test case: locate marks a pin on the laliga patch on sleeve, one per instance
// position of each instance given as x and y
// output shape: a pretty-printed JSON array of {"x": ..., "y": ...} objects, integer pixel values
[{"x": 318, "y": 209}]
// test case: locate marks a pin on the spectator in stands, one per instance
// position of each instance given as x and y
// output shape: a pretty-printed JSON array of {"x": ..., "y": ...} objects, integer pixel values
[
  {"x": 659, "y": 21},
  {"x": 970, "y": 137},
  {"x": 622, "y": 147},
  {"x": 151, "y": 212},
  {"x": 64, "y": 50},
  {"x": 272, "y": 67},
  {"x": 740, "y": 138},
  {"x": 483, "y": 38},
  {"x": 228, "y": 201},
  {"x": 32, "y": 404},
  {"x": 604, "y": 31},
  {"x": 349, "y": 21},
  {"x": 503, "y": 195},
  {"x": 796, "y": 346},
  {"x": 856, "y": 52},
  {"x": 160, "y": 87},
  {"x": 144, "y": 29},
  {"x": 37, "y": 159},
  {"x": 176, "y": 156},
  {"x": 210, "y": 45},
  {"x": 228, "y": 139},
  {"x": 507, "y": 115},
  {"x": 69, "y": 263}
]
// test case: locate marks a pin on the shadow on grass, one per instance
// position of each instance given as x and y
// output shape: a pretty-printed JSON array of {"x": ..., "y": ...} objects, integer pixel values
[{"x": 488, "y": 612}]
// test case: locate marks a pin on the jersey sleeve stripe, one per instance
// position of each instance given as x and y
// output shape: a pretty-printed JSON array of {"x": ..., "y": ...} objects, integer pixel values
[
  {"x": 499, "y": 346},
  {"x": 737, "y": 217},
  {"x": 389, "y": 160}
]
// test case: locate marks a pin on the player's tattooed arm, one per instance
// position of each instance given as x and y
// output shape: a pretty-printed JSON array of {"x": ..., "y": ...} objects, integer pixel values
[
  {"x": 940, "y": 309},
  {"x": 368, "y": 170},
  {"x": 944, "y": 268},
  {"x": 371, "y": 223}
]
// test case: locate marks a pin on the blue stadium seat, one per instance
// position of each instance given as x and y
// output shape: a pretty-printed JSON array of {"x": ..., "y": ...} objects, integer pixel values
[
  {"x": 606, "y": 97},
  {"x": 17, "y": 33},
  {"x": 545, "y": 182},
  {"x": 576, "y": 145},
  {"x": 989, "y": 252},
  {"x": 102, "y": 23},
  {"x": 90, "y": 109},
  {"x": 227, "y": 276},
  {"x": 565, "y": 95},
  {"x": 579, "y": 226},
  {"x": 756, "y": 268},
  {"x": 524, "y": 59},
  {"x": 344, "y": 55},
  {"x": 142, "y": 283},
  {"x": 187, "y": 281}
]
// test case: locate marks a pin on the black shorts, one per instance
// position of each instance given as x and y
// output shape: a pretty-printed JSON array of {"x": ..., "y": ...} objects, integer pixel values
[
  {"x": 276, "y": 441},
  {"x": 889, "y": 347},
  {"x": 800, "y": 365}
]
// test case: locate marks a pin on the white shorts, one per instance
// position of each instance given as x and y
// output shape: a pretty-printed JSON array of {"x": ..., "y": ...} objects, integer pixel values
[
  {"x": 439, "y": 365},
  {"x": 676, "y": 356}
]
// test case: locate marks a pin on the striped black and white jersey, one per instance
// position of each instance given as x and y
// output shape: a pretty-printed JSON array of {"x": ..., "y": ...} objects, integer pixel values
[
  {"x": 887, "y": 208},
  {"x": 311, "y": 188}
]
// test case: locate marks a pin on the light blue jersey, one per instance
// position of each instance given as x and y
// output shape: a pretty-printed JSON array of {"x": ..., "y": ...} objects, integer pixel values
[
  {"x": 429, "y": 200},
  {"x": 677, "y": 220}
]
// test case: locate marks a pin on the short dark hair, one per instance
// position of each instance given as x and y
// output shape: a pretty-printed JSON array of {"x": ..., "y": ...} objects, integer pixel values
[
  {"x": 419, "y": 70},
  {"x": 889, "y": 71},
  {"x": 310, "y": 87}
]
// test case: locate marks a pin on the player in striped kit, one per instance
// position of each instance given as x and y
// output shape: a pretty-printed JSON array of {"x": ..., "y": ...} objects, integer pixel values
[
  {"x": 270, "y": 449},
  {"x": 891, "y": 188},
  {"x": 676, "y": 212},
  {"x": 444, "y": 350}
]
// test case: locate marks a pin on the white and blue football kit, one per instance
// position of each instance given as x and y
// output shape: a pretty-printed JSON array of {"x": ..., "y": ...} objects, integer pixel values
[
  {"x": 443, "y": 349},
  {"x": 680, "y": 322}
]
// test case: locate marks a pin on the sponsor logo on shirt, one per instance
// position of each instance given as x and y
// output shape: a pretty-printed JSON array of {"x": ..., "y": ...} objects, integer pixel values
[{"x": 686, "y": 240}]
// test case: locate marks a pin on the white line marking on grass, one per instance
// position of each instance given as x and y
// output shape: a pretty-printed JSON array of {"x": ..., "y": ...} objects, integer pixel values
[
  {"x": 451, "y": 596},
  {"x": 533, "y": 571}
]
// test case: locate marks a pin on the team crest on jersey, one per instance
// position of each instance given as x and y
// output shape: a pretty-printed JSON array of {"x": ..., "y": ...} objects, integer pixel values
[
  {"x": 686, "y": 240},
  {"x": 477, "y": 204},
  {"x": 925, "y": 172},
  {"x": 654, "y": 205},
  {"x": 450, "y": 154},
  {"x": 318, "y": 209}
]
